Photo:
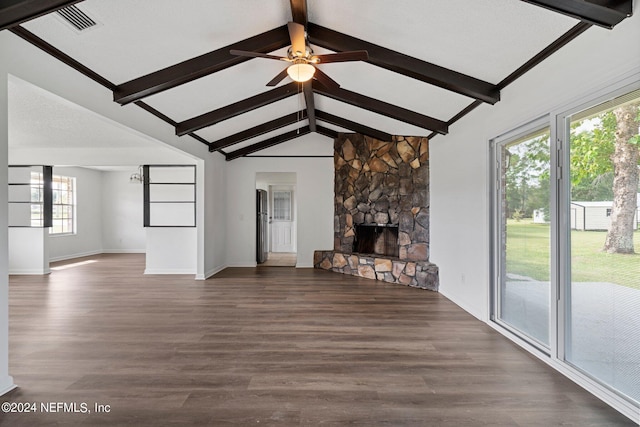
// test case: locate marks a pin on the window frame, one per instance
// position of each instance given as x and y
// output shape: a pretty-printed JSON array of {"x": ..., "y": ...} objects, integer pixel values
[
  {"x": 563, "y": 128},
  {"x": 72, "y": 181},
  {"x": 497, "y": 258}
]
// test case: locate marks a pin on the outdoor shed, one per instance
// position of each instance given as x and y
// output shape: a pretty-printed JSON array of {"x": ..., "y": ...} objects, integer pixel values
[{"x": 593, "y": 216}]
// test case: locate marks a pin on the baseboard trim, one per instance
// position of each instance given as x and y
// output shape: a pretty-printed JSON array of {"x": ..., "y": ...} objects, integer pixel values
[
  {"x": 462, "y": 306},
  {"x": 210, "y": 273},
  {"x": 7, "y": 388},
  {"x": 29, "y": 272},
  {"x": 124, "y": 251},
  {"x": 243, "y": 265},
  {"x": 162, "y": 271},
  {"x": 73, "y": 256},
  {"x": 91, "y": 253}
]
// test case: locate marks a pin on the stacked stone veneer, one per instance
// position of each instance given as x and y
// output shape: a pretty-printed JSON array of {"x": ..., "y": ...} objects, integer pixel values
[{"x": 382, "y": 182}]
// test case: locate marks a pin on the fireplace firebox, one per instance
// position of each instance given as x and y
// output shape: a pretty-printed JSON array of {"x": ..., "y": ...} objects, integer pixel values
[{"x": 376, "y": 239}]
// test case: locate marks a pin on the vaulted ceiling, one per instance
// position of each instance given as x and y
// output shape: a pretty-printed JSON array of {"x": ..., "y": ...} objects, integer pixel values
[{"x": 430, "y": 62}]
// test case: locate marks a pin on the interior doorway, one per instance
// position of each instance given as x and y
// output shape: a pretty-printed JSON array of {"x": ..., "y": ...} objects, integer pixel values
[{"x": 279, "y": 231}]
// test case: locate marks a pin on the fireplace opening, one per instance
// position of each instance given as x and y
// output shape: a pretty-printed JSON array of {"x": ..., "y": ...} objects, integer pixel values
[{"x": 376, "y": 239}]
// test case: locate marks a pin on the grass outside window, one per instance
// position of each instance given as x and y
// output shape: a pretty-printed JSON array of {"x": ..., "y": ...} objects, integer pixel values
[{"x": 528, "y": 255}]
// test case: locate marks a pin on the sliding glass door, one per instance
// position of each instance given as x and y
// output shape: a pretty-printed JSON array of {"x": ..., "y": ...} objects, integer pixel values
[
  {"x": 603, "y": 286},
  {"x": 523, "y": 294},
  {"x": 566, "y": 241}
]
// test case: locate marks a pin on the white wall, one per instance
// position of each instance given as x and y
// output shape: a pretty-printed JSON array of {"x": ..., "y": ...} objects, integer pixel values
[
  {"x": 6, "y": 381},
  {"x": 122, "y": 214},
  {"x": 28, "y": 250},
  {"x": 171, "y": 250},
  {"x": 314, "y": 203},
  {"x": 459, "y": 161},
  {"x": 201, "y": 250},
  {"x": 88, "y": 237},
  {"x": 212, "y": 197}
]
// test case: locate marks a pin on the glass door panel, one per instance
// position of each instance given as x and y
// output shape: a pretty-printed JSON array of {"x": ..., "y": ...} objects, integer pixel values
[
  {"x": 523, "y": 297},
  {"x": 603, "y": 304}
]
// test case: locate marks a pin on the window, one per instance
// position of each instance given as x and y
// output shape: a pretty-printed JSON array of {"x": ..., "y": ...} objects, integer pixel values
[
  {"x": 64, "y": 205},
  {"x": 282, "y": 205},
  {"x": 37, "y": 199}
]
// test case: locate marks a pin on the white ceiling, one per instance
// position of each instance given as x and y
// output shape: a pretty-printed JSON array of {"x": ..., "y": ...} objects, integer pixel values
[
  {"x": 486, "y": 39},
  {"x": 49, "y": 130}
]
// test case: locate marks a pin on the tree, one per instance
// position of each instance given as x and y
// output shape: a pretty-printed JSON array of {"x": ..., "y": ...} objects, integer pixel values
[
  {"x": 591, "y": 165},
  {"x": 625, "y": 180},
  {"x": 527, "y": 177},
  {"x": 608, "y": 153}
]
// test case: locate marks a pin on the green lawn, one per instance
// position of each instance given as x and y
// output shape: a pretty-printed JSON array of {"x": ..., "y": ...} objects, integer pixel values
[{"x": 528, "y": 255}]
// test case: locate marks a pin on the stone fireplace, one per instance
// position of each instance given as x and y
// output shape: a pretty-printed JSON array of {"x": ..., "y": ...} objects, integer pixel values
[{"x": 381, "y": 211}]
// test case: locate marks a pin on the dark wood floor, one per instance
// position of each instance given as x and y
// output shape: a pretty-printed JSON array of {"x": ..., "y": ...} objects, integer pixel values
[{"x": 268, "y": 346}]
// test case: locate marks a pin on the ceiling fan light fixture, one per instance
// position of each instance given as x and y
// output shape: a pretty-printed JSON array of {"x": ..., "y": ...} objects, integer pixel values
[{"x": 301, "y": 72}]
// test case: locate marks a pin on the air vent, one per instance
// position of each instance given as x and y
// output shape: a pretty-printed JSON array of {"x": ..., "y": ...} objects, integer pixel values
[{"x": 77, "y": 18}]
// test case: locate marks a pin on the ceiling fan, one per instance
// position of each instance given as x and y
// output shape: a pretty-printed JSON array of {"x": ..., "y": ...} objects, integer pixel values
[{"x": 303, "y": 60}]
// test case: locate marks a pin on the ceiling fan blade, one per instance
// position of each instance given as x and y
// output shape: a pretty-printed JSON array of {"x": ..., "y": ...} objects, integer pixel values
[
  {"x": 354, "y": 55},
  {"x": 277, "y": 79},
  {"x": 296, "y": 33},
  {"x": 255, "y": 55},
  {"x": 325, "y": 80}
]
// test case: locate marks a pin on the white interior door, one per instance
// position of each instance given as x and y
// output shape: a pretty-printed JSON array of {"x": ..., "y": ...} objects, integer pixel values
[{"x": 283, "y": 228}]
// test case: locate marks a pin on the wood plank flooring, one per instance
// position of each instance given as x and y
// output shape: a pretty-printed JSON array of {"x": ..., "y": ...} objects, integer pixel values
[
  {"x": 268, "y": 346},
  {"x": 280, "y": 259}
]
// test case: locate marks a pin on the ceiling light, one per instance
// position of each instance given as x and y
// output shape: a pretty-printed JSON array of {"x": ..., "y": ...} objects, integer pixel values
[{"x": 301, "y": 72}]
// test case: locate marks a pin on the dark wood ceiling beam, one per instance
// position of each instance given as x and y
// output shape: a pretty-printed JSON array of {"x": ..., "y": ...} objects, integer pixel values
[
  {"x": 232, "y": 110},
  {"x": 15, "y": 12},
  {"x": 199, "y": 66},
  {"x": 406, "y": 65},
  {"x": 353, "y": 126},
  {"x": 604, "y": 13},
  {"x": 279, "y": 139},
  {"x": 261, "y": 129},
  {"x": 556, "y": 45},
  {"x": 327, "y": 132},
  {"x": 561, "y": 41},
  {"x": 156, "y": 113},
  {"x": 60, "y": 56},
  {"x": 381, "y": 107},
  {"x": 299, "y": 11},
  {"x": 311, "y": 108},
  {"x": 168, "y": 120}
]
